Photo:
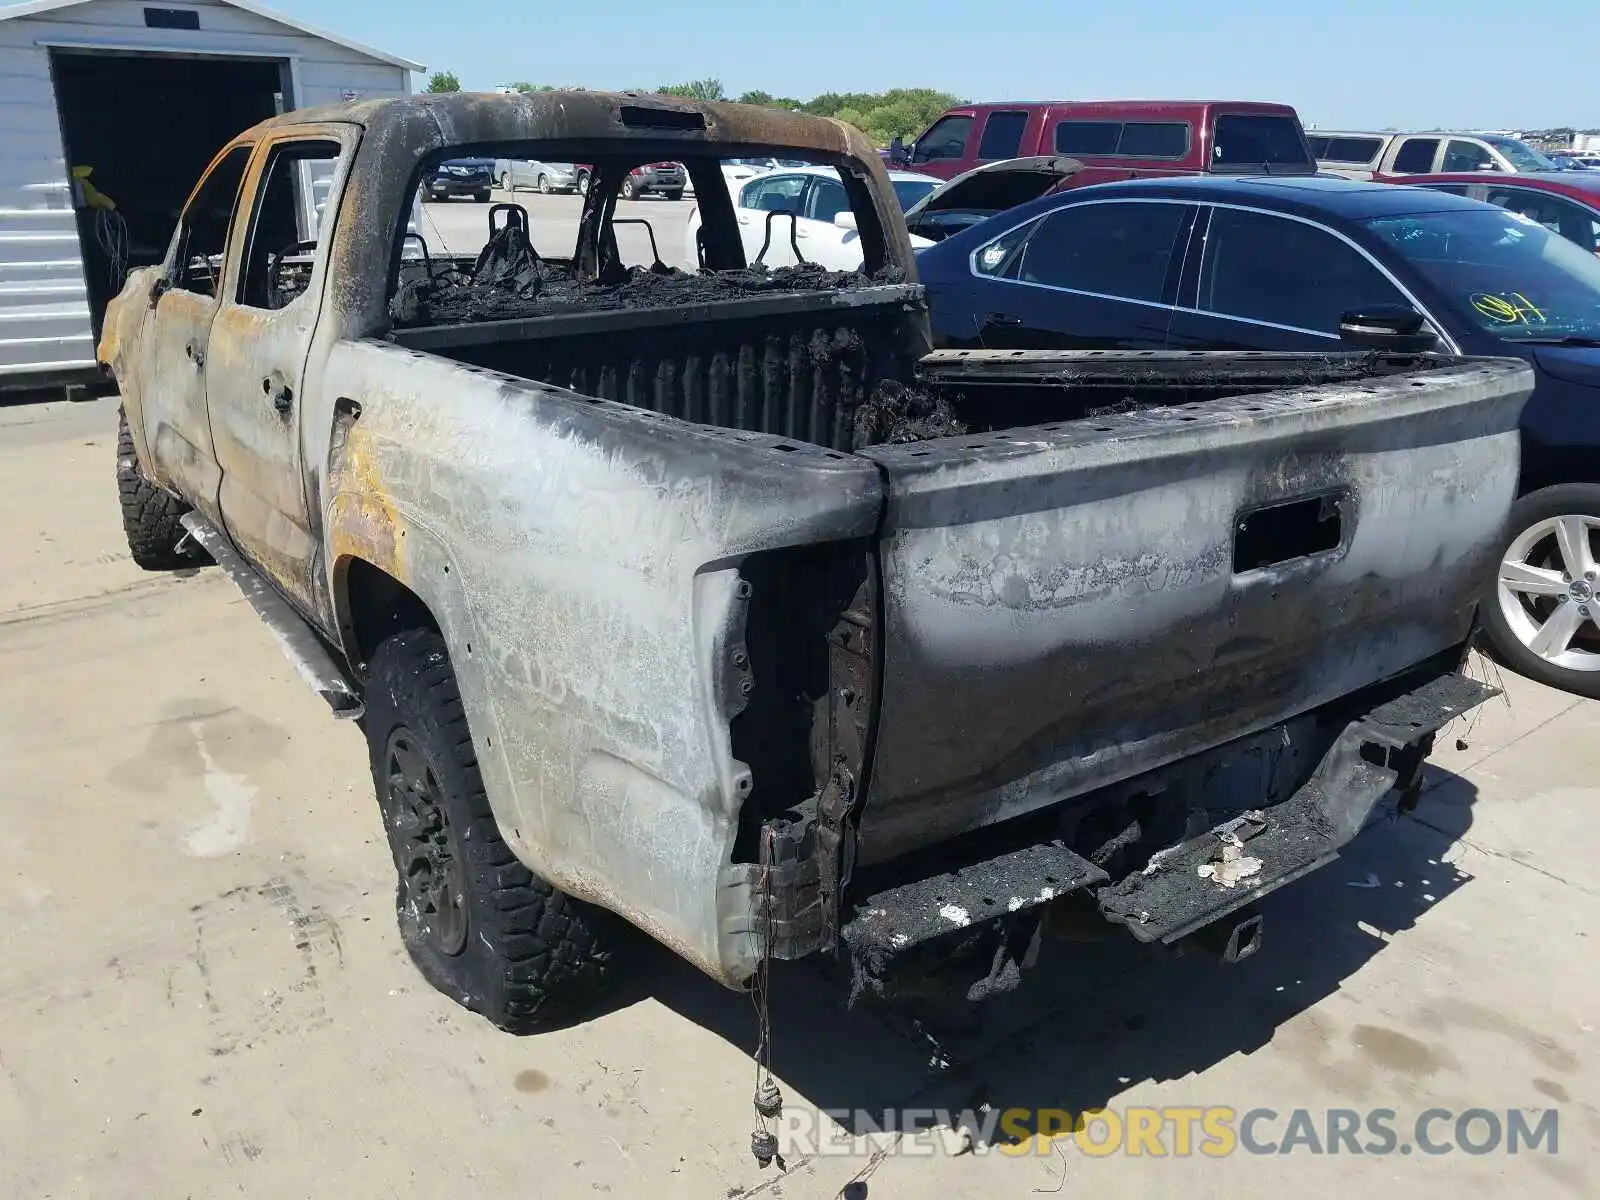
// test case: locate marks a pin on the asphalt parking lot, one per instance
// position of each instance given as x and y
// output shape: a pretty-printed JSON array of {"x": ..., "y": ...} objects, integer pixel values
[
  {"x": 202, "y": 992},
  {"x": 462, "y": 226}
]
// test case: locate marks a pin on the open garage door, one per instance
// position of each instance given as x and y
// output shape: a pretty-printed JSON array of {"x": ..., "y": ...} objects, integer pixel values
[{"x": 147, "y": 124}]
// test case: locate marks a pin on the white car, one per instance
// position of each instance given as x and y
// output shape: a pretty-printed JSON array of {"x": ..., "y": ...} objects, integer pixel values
[
  {"x": 737, "y": 170},
  {"x": 813, "y": 214}
]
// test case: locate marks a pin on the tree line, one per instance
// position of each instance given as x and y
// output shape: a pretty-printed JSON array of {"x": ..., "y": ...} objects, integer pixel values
[{"x": 882, "y": 116}]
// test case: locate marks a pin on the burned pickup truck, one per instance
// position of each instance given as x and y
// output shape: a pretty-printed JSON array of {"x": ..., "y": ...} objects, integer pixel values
[{"x": 710, "y": 600}]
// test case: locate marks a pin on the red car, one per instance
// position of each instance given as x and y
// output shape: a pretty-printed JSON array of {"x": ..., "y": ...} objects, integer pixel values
[
  {"x": 1564, "y": 202},
  {"x": 1118, "y": 139}
]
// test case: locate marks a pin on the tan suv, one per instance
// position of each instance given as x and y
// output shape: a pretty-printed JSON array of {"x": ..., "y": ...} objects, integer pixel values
[{"x": 1390, "y": 155}]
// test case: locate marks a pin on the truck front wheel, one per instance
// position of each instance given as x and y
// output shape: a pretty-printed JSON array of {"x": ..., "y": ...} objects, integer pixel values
[
  {"x": 480, "y": 926},
  {"x": 150, "y": 514}
]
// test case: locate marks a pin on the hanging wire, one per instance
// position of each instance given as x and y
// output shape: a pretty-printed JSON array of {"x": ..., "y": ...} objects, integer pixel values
[
  {"x": 768, "y": 1099},
  {"x": 111, "y": 232}
]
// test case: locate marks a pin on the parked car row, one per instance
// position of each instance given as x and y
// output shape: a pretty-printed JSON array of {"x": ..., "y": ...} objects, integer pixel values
[
  {"x": 1576, "y": 160},
  {"x": 476, "y": 177}
]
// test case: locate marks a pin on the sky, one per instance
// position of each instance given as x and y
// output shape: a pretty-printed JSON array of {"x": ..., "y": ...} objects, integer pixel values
[{"x": 1351, "y": 64}]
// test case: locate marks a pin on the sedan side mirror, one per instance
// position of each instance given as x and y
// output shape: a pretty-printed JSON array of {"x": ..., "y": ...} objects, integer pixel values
[
  {"x": 1397, "y": 328},
  {"x": 845, "y": 219}
]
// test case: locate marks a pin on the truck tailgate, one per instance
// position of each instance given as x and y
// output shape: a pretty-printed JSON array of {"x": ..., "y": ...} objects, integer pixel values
[{"x": 1069, "y": 605}]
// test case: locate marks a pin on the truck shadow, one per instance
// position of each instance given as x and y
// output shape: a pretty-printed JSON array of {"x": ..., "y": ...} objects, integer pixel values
[{"x": 1093, "y": 1019}]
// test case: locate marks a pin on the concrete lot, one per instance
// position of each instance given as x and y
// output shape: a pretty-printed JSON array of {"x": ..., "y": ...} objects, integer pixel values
[
  {"x": 462, "y": 226},
  {"x": 202, "y": 992}
]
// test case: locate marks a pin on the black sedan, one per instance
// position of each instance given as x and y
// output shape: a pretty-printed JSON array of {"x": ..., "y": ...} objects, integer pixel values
[
  {"x": 460, "y": 177},
  {"x": 1309, "y": 263}
]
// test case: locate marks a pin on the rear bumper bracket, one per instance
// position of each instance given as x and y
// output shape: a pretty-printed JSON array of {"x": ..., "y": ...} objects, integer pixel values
[{"x": 1179, "y": 891}]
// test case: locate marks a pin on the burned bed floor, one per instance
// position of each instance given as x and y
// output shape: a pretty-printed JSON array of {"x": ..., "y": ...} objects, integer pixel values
[{"x": 510, "y": 280}]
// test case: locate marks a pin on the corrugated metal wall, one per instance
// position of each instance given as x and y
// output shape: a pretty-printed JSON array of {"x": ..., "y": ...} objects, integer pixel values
[{"x": 44, "y": 315}]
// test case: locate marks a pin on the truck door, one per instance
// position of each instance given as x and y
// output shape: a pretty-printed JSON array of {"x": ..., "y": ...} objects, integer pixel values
[
  {"x": 167, "y": 393},
  {"x": 259, "y": 345}
]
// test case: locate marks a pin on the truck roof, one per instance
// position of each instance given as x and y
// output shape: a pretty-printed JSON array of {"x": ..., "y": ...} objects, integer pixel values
[{"x": 489, "y": 118}]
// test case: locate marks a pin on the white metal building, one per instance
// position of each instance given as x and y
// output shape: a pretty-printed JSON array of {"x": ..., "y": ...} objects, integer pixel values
[{"x": 143, "y": 94}]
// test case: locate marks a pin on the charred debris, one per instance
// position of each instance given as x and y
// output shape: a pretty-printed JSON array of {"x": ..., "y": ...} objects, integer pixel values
[{"x": 510, "y": 280}]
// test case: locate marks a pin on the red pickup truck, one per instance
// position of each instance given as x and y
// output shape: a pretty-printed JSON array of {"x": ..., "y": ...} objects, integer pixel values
[{"x": 1118, "y": 139}]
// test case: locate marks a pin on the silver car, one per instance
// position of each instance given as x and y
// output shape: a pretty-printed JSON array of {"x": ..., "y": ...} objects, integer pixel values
[{"x": 515, "y": 174}]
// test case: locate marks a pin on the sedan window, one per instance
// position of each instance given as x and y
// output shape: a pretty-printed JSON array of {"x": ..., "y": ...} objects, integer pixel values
[
  {"x": 1284, "y": 272},
  {"x": 1000, "y": 257},
  {"x": 826, "y": 199},
  {"x": 775, "y": 193},
  {"x": 1110, "y": 249}
]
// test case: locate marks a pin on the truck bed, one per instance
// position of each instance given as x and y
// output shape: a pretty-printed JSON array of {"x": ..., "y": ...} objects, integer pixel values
[{"x": 795, "y": 352}]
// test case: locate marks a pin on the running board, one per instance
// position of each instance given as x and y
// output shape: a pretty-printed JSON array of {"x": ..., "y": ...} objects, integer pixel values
[{"x": 298, "y": 641}]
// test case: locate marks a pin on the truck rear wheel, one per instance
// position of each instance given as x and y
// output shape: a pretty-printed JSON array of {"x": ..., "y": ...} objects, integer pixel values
[
  {"x": 150, "y": 514},
  {"x": 1541, "y": 612},
  {"x": 480, "y": 926}
]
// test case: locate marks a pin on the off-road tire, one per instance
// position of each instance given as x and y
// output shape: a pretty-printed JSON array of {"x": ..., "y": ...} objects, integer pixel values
[
  {"x": 532, "y": 956},
  {"x": 630, "y": 189},
  {"x": 1502, "y": 643},
  {"x": 150, "y": 514}
]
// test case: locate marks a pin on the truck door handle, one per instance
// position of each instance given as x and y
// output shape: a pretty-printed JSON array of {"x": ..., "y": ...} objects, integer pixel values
[
  {"x": 1002, "y": 319},
  {"x": 281, "y": 394}
]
